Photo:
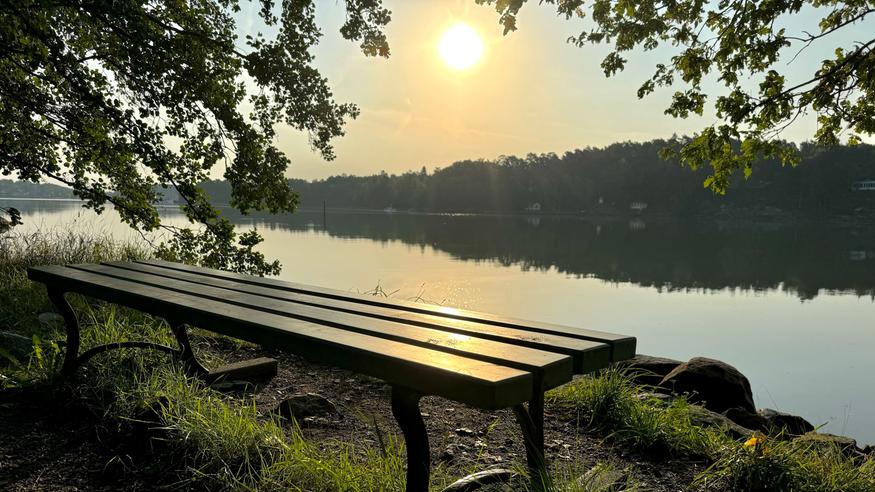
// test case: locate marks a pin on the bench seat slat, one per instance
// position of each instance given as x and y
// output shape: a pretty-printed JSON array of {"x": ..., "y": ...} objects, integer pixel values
[
  {"x": 587, "y": 355},
  {"x": 556, "y": 369},
  {"x": 622, "y": 346},
  {"x": 478, "y": 383}
]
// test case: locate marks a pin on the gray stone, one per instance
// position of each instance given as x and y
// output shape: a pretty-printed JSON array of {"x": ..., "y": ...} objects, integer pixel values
[
  {"x": 703, "y": 417},
  {"x": 16, "y": 345},
  {"x": 299, "y": 407},
  {"x": 464, "y": 431},
  {"x": 453, "y": 452},
  {"x": 479, "y": 479},
  {"x": 714, "y": 384},
  {"x": 648, "y": 369},
  {"x": 791, "y": 424}
]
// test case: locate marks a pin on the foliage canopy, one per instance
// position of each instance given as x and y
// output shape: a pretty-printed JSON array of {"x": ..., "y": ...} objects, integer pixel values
[
  {"x": 740, "y": 44},
  {"x": 117, "y": 98}
]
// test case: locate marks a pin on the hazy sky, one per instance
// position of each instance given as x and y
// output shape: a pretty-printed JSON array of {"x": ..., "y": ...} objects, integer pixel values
[{"x": 530, "y": 91}]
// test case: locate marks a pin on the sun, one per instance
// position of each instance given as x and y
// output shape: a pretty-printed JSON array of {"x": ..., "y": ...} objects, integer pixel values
[{"x": 460, "y": 47}]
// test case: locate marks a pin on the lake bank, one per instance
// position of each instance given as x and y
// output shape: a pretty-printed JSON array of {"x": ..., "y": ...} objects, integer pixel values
[
  {"x": 155, "y": 425},
  {"x": 790, "y": 306}
]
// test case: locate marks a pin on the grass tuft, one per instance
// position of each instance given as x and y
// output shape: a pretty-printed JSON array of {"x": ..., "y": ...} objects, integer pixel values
[
  {"x": 778, "y": 465},
  {"x": 611, "y": 403}
]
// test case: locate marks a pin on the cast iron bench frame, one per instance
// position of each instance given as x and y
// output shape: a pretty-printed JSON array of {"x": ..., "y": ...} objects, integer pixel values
[{"x": 486, "y": 361}]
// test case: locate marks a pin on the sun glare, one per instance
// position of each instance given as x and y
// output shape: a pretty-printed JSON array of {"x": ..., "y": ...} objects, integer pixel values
[{"x": 460, "y": 47}]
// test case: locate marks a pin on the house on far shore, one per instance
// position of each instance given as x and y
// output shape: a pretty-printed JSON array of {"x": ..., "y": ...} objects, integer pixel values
[
  {"x": 638, "y": 206},
  {"x": 868, "y": 185},
  {"x": 534, "y": 207}
]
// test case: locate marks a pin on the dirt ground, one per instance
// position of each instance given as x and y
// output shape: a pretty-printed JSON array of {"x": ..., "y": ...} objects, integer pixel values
[{"x": 50, "y": 442}]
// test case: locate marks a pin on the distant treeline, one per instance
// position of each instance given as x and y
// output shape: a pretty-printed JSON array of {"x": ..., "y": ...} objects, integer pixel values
[
  {"x": 23, "y": 189},
  {"x": 601, "y": 181},
  {"x": 619, "y": 179}
]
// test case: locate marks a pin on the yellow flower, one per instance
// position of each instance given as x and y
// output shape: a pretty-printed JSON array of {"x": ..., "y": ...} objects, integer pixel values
[{"x": 754, "y": 441}]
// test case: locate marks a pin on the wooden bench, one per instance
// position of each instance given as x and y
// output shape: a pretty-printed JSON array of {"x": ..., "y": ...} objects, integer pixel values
[{"x": 486, "y": 361}]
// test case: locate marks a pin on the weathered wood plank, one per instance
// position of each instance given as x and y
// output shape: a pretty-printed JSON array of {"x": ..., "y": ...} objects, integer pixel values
[
  {"x": 555, "y": 369},
  {"x": 478, "y": 383},
  {"x": 622, "y": 346},
  {"x": 587, "y": 355},
  {"x": 259, "y": 368}
]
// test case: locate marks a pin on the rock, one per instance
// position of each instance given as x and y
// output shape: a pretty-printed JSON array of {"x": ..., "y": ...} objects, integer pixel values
[
  {"x": 769, "y": 421},
  {"x": 51, "y": 320},
  {"x": 715, "y": 384},
  {"x": 648, "y": 369},
  {"x": 453, "y": 452},
  {"x": 299, "y": 407},
  {"x": 703, "y": 417},
  {"x": 16, "y": 345},
  {"x": 791, "y": 424},
  {"x": 448, "y": 455},
  {"x": 464, "y": 431},
  {"x": 825, "y": 442},
  {"x": 479, "y": 479},
  {"x": 603, "y": 478},
  {"x": 287, "y": 389},
  {"x": 753, "y": 421}
]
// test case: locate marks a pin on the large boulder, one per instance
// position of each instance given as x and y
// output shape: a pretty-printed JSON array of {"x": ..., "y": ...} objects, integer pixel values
[
  {"x": 751, "y": 420},
  {"x": 790, "y": 424},
  {"x": 648, "y": 369},
  {"x": 768, "y": 421},
  {"x": 714, "y": 384}
]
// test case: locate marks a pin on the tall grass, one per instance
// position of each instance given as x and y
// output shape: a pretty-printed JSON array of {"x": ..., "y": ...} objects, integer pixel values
[
  {"x": 611, "y": 403},
  {"x": 20, "y": 299},
  {"x": 230, "y": 446},
  {"x": 225, "y": 444},
  {"x": 764, "y": 464}
]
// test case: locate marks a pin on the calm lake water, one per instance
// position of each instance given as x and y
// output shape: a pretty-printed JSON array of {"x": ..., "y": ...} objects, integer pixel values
[{"x": 790, "y": 306}]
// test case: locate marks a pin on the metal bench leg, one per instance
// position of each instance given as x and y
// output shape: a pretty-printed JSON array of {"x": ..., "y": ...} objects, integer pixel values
[
  {"x": 71, "y": 326},
  {"x": 186, "y": 353},
  {"x": 72, "y": 359},
  {"x": 531, "y": 422},
  {"x": 405, "y": 408}
]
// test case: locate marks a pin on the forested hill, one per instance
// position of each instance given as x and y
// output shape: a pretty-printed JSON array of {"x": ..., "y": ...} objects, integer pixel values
[
  {"x": 24, "y": 189},
  {"x": 603, "y": 180}
]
